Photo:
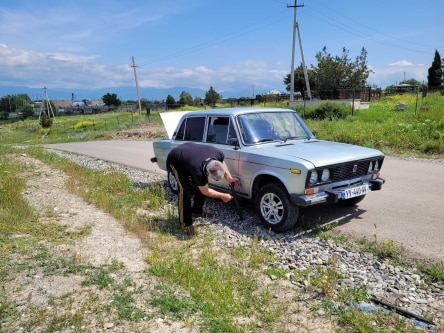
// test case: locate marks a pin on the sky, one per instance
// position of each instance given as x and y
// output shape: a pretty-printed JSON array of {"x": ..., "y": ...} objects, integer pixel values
[{"x": 229, "y": 45}]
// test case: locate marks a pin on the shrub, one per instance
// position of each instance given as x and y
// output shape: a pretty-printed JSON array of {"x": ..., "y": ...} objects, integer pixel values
[
  {"x": 45, "y": 121},
  {"x": 430, "y": 147},
  {"x": 329, "y": 111}
]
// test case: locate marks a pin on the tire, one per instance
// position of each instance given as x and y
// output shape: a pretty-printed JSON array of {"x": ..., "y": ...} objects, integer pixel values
[
  {"x": 351, "y": 201},
  {"x": 172, "y": 182},
  {"x": 275, "y": 209}
]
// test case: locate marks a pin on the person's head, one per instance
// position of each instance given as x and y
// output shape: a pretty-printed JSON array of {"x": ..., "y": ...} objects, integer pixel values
[{"x": 215, "y": 169}]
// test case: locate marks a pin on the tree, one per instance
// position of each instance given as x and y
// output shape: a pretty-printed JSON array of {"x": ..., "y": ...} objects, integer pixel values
[
  {"x": 111, "y": 99},
  {"x": 197, "y": 101},
  {"x": 299, "y": 80},
  {"x": 406, "y": 86},
  {"x": 26, "y": 112},
  {"x": 170, "y": 101},
  {"x": 412, "y": 82},
  {"x": 12, "y": 103},
  {"x": 185, "y": 98},
  {"x": 434, "y": 78},
  {"x": 340, "y": 72},
  {"x": 211, "y": 97},
  {"x": 7, "y": 104}
]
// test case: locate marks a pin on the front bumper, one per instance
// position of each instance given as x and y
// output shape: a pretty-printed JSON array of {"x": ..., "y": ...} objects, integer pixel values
[{"x": 330, "y": 196}]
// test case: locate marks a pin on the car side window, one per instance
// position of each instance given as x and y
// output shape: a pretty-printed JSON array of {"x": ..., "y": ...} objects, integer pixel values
[
  {"x": 218, "y": 130},
  {"x": 192, "y": 129},
  {"x": 231, "y": 132}
]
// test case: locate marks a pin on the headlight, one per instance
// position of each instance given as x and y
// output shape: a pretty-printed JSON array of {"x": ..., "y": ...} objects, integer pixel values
[
  {"x": 370, "y": 167},
  {"x": 325, "y": 175},
  {"x": 314, "y": 177},
  {"x": 376, "y": 165}
]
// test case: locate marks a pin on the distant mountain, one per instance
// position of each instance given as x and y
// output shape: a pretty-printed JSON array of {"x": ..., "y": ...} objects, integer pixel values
[{"x": 123, "y": 93}]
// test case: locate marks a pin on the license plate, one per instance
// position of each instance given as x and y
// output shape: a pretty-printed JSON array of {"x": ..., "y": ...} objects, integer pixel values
[{"x": 354, "y": 192}]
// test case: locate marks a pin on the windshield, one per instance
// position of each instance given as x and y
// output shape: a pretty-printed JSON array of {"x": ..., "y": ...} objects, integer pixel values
[{"x": 271, "y": 126}]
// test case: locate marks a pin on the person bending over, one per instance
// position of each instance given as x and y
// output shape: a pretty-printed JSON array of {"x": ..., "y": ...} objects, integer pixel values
[{"x": 197, "y": 162}]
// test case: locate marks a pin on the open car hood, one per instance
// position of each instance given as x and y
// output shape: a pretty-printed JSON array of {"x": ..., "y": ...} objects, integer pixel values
[{"x": 171, "y": 120}]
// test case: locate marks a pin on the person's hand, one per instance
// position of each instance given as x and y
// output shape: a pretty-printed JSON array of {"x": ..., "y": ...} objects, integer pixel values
[
  {"x": 226, "y": 197},
  {"x": 236, "y": 182}
]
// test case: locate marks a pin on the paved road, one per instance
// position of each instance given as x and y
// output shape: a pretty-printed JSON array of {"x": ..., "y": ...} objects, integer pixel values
[{"x": 409, "y": 210}]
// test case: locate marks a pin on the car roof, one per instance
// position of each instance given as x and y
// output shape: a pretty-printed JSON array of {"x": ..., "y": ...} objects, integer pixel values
[
  {"x": 171, "y": 119},
  {"x": 234, "y": 111}
]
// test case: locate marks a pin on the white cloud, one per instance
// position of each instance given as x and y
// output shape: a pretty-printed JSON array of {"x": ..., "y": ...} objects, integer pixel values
[
  {"x": 245, "y": 74},
  {"x": 401, "y": 63},
  {"x": 396, "y": 72}
]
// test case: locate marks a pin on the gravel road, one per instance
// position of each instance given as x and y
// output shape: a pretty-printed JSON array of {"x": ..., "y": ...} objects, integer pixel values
[{"x": 408, "y": 210}]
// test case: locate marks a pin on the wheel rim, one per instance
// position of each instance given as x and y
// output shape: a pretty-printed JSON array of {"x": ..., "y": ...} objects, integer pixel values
[
  {"x": 272, "y": 208},
  {"x": 172, "y": 182}
]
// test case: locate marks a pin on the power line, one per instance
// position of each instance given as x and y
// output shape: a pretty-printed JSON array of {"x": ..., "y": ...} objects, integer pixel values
[
  {"x": 359, "y": 32},
  {"x": 409, "y": 42},
  {"x": 223, "y": 38}
]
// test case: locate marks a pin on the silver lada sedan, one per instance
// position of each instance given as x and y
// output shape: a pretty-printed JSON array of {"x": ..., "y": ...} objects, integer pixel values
[{"x": 281, "y": 164}]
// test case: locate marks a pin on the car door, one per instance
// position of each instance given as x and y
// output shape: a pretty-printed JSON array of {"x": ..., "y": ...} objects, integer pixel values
[
  {"x": 220, "y": 133},
  {"x": 191, "y": 128}
]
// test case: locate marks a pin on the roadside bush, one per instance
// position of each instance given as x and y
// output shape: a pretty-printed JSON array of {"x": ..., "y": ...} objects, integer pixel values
[
  {"x": 330, "y": 111},
  {"x": 430, "y": 147},
  {"x": 45, "y": 121}
]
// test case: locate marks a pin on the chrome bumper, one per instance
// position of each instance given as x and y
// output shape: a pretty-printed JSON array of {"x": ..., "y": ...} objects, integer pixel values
[{"x": 330, "y": 196}]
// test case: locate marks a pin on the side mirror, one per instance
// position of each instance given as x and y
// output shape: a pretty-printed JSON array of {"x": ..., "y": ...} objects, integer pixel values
[{"x": 233, "y": 142}]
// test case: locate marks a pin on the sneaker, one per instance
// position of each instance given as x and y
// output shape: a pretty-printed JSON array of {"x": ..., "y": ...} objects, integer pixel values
[
  {"x": 204, "y": 214},
  {"x": 190, "y": 230}
]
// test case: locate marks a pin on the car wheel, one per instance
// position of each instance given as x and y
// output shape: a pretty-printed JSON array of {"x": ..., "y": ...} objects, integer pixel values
[
  {"x": 351, "y": 201},
  {"x": 275, "y": 209},
  {"x": 172, "y": 182}
]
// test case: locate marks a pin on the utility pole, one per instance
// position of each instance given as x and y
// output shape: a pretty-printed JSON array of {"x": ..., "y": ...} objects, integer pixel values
[
  {"x": 46, "y": 105},
  {"x": 296, "y": 29},
  {"x": 137, "y": 85}
]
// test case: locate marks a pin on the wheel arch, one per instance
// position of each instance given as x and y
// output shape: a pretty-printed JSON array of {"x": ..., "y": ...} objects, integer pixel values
[{"x": 263, "y": 179}]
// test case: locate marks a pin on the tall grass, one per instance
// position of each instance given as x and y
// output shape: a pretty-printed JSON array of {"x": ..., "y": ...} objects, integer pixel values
[
  {"x": 84, "y": 127},
  {"x": 419, "y": 129}
]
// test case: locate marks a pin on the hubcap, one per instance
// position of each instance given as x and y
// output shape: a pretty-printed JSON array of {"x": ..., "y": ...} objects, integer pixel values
[{"x": 272, "y": 208}]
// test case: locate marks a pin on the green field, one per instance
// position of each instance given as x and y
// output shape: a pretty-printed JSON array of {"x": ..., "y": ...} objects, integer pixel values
[{"x": 417, "y": 130}]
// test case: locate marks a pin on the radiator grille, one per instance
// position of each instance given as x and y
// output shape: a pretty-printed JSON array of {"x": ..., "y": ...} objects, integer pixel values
[{"x": 349, "y": 170}]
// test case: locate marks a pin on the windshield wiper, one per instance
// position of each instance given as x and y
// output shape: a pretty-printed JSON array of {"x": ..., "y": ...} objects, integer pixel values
[
  {"x": 264, "y": 140},
  {"x": 295, "y": 138}
]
